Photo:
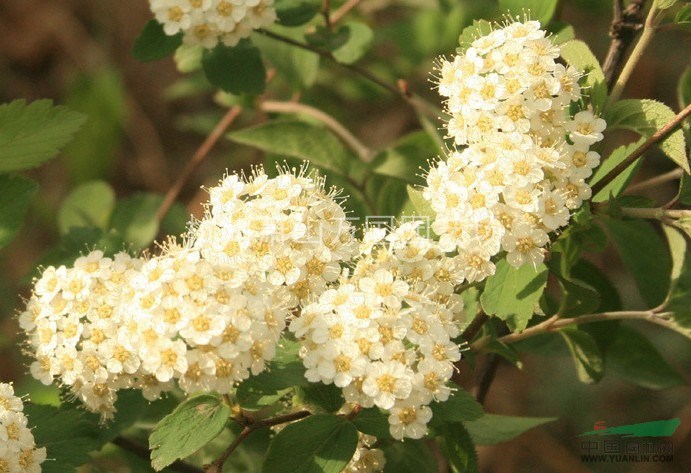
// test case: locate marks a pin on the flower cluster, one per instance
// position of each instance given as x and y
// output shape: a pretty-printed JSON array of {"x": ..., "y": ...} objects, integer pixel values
[
  {"x": 366, "y": 459},
  {"x": 18, "y": 452},
  {"x": 205, "y": 314},
  {"x": 525, "y": 160},
  {"x": 289, "y": 227},
  {"x": 208, "y": 22},
  {"x": 385, "y": 333}
]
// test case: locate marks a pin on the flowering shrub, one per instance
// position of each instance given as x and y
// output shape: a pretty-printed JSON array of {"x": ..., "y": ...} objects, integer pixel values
[{"x": 285, "y": 321}]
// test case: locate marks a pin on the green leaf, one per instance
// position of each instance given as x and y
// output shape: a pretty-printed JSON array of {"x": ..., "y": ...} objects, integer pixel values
[
  {"x": 680, "y": 301},
  {"x": 585, "y": 353},
  {"x": 459, "y": 448},
  {"x": 678, "y": 252},
  {"x": 617, "y": 186},
  {"x": 296, "y": 12},
  {"x": 683, "y": 17},
  {"x": 359, "y": 38},
  {"x": 513, "y": 294},
  {"x": 67, "y": 433},
  {"x": 685, "y": 190},
  {"x": 472, "y": 32},
  {"x": 238, "y": 70},
  {"x": 297, "y": 66},
  {"x": 644, "y": 255},
  {"x": 154, "y": 44},
  {"x": 634, "y": 358},
  {"x": 664, "y": 4},
  {"x": 645, "y": 117},
  {"x": 188, "y": 58},
  {"x": 508, "y": 352},
  {"x": 540, "y": 10},
  {"x": 88, "y": 205},
  {"x": 284, "y": 372},
  {"x": 460, "y": 407},
  {"x": 578, "y": 55},
  {"x": 16, "y": 194},
  {"x": 319, "y": 443},
  {"x": 101, "y": 97},
  {"x": 297, "y": 139},
  {"x": 561, "y": 32},
  {"x": 413, "y": 456},
  {"x": 326, "y": 397},
  {"x": 421, "y": 205},
  {"x": 135, "y": 219},
  {"x": 34, "y": 133},
  {"x": 192, "y": 424},
  {"x": 130, "y": 406},
  {"x": 372, "y": 421},
  {"x": 407, "y": 158},
  {"x": 684, "y": 87},
  {"x": 492, "y": 428}
]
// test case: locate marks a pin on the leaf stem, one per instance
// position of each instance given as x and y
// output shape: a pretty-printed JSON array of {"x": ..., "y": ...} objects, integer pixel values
[
  {"x": 626, "y": 23},
  {"x": 658, "y": 136},
  {"x": 364, "y": 153},
  {"x": 656, "y": 181},
  {"x": 658, "y": 213},
  {"x": 196, "y": 160},
  {"x": 552, "y": 324},
  {"x": 343, "y": 10},
  {"x": 638, "y": 50},
  {"x": 217, "y": 465}
]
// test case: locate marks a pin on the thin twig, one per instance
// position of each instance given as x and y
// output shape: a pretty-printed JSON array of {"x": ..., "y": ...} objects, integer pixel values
[
  {"x": 363, "y": 152},
  {"x": 217, "y": 465},
  {"x": 196, "y": 160},
  {"x": 656, "y": 181},
  {"x": 658, "y": 136},
  {"x": 626, "y": 23},
  {"x": 475, "y": 326},
  {"x": 658, "y": 213},
  {"x": 143, "y": 452},
  {"x": 551, "y": 325},
  {"x": 637, "y": 53},
  {"x": 486, "y": 377},
  {"x": 326, "y": 12},
  {"x": 341, "y": 11}
]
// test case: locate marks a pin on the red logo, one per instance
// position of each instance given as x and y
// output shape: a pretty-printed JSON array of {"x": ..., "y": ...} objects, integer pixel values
[{"x": 600, "y": 425}]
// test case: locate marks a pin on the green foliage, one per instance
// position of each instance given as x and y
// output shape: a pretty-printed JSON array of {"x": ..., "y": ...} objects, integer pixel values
[
  {"x": 512, "y": 294},
  {"x": 422, "y": 207},
  {"x": 358, "y": 40},
  {"x": 319, "y": 443},
  {"x": 413, "y": 456},
  {"x": 472, "y": 32},
  {"x": 461, "y": 406},
  {"x": 67, "y": 433},
  {"x": 617, "y": 186},
  {"x": 17, "y": 193},
  {"x": 238, "y": 70},
  {"x": 322, "y": 397},
  {"x": 683, "y": 17},
  {"x": 154, "y": 44},
  {"x": 407, "y": 158},
  {"x": 585, "y": 353},
  {"x": 459, "y": 448},
  {"x": 645, "y": 117},
  {"x": 372, "y": 421},
  {"x": 297, "y": 66},
  {"x": 540, "y": 10},
  {"x": 684, "y": 87},
  {"x": 645, "y": 256},
  {"x": 88, "y": 205},
  {"x": 491, "y": 428},
  {"x": 664, "y": 4},
  {"x": 634, "y": 358},
  {"x": 192, "y": 424},
  {"x": 31, "y": 134},
  {"x": 577, "y": 54},
  {"x": 102, "y": 98},
  {"x": 296, "y": 12},
  {"x": 297, "y": 139},
  {"x": 135, "y": 219}
]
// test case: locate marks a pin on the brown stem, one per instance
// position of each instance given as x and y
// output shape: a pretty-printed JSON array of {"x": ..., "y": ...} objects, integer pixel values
[
  {"x": 486, "y": 377},
  {"x": 658, "y": 136},
  {"x": 475, "y": 326},
  {"x": 656, "y": 181},
  {"x": 326, "y": 12},
  {"x": 626, "y": 24},
  {"x": 196, "y": 160},
  {"x": 143, "y": 452},
  {"x": 217, "y": 465},
  {"x": 343, "y": 10}
]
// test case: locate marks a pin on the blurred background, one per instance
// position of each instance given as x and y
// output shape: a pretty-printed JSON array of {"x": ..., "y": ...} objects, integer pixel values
[{"x": 145, "y": 121}]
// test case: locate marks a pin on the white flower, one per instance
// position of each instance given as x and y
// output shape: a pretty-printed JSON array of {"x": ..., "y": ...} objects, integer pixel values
[
  {"x": 409, "y": 419},
  {"x": 387, "y": 381}
]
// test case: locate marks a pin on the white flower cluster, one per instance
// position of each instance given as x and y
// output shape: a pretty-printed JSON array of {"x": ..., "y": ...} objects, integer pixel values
[
  {"x": 525, "y": 160},
  {"x": 206, "y": 314},
  {"x": 366, "y": 459},
  {"x": 288, "y": 227},
  {"x": 18, "y": 452},
  {"x": 385, "y": 333},
  {"x": 208, "y": 22}
]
